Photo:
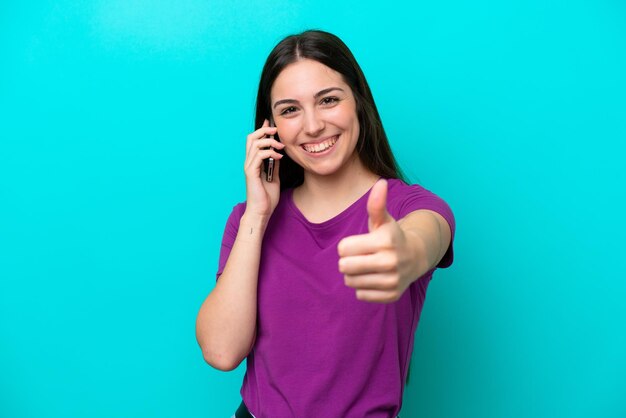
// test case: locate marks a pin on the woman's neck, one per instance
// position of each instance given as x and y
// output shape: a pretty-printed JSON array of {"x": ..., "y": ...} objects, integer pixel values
[{"x": 322, "y": 197}]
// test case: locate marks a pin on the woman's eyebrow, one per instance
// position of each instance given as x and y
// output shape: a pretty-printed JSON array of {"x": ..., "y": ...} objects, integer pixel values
[
  {"x": 279, "y": 102},
  {"x": 328, "y": 90},
  {"x": 318, "y": 94}
]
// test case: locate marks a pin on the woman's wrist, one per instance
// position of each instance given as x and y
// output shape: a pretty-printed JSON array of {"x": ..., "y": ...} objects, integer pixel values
[{"x": 253, "y": 225}]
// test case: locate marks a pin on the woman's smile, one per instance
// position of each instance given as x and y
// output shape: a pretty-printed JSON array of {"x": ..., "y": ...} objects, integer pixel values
[{"x": 321, "y": 147}]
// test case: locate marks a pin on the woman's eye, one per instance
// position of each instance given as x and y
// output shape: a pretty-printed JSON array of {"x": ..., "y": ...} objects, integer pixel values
[
  {"x": 288, "y": 110},
  {"x": 329, "y": 100}
]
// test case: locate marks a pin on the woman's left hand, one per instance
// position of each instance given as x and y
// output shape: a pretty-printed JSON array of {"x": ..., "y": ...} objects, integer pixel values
[{"x": 382, "y": 264}]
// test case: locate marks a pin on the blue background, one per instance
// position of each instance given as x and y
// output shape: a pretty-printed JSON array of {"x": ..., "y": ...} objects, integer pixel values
[{"x": 122, "y": 131}]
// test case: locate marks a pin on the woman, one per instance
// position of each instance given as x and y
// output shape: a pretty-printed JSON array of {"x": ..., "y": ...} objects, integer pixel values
[{"x": 323, "y": 271}]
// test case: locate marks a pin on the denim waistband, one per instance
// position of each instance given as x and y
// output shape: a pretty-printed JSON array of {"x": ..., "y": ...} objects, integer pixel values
[{"x": 242, "y": 412}]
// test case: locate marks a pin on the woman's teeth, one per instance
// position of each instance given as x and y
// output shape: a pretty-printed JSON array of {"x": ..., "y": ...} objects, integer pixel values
[{"x": 321, "y": 147}]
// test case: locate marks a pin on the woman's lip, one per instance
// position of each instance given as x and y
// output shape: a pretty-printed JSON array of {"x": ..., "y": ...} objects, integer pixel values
[{"x": 321, "y": 140}]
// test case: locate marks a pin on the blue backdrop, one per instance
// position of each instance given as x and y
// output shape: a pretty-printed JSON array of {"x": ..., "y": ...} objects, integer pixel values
[{"x": 122, "y": 131}]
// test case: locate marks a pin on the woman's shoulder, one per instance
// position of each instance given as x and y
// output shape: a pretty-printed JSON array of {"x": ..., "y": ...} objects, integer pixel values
[
  {"x": 403, "y": 198},
  {"x": 399, "y": 188}
]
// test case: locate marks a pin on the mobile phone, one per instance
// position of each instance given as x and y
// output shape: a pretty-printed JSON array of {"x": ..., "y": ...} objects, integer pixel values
[{"x": 268, "y": 163}]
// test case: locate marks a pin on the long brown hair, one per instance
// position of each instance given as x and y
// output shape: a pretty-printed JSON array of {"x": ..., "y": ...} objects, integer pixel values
[{"x": 372, "y": 146}]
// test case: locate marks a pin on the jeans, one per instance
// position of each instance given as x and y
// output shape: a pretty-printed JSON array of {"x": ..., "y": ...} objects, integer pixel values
[{"x": 242, "y": 412}]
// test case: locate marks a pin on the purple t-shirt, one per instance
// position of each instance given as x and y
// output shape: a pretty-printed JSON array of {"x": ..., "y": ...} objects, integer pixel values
[{"x": 320, "y": 352}]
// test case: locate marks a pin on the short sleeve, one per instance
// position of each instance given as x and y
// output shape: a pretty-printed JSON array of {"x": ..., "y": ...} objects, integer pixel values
[
  {"x": 228, "y": 239},
  {"x": 404, "y": 199}
]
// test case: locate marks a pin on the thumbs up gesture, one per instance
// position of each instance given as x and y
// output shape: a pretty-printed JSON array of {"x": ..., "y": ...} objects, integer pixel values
[{"x": 379, "y": 265}]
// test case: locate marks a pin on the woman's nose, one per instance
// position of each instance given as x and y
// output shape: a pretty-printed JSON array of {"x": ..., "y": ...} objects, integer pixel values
[{"x": 313, "y": 125}]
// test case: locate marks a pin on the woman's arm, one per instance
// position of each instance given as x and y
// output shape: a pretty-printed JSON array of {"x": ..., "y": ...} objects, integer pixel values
[
  {"x": 382, "y": 264},
  {"x": 428, "y": 237},
  {"x": 226, "y": 322}
]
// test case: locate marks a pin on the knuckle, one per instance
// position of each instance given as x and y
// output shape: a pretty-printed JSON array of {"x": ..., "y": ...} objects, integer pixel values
[
  {"x": 392, "y": 296},
  {"x": 387, "y": 240},
  {"x": 395, "y": 278},
  {"x": 390, "y": 282},
  {"x": 393, "y": 257},
  {"x": 389, "y": 261}
]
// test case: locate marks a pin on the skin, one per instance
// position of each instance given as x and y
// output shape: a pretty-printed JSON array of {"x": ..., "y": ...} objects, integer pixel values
[
  {"x": 311, "y": 103},
  {"x": 382, "y": 264}
]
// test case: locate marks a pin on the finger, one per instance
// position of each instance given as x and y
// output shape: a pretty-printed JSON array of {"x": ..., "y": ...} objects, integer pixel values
[
  {"x": 364, "y": 244},
  {"x": 378, "y": 296},
  {"x": 262, "y": 132},
  {"x": 252, "y": 136},
  {"x": 380, "y": 262},
  {"x": 268, "y": 142},
  {"x": 372, "y": 281},
  {"x": 377, "y": 205},
  {"x": 254, "y": 162},
  {"x": 268, "y": 124},
  {"x": 265, "y": 144},
  {"x": 256, "y": 159}
]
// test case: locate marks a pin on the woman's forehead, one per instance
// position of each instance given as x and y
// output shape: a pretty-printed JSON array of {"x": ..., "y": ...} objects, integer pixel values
[{"x": 303, "y": 79}]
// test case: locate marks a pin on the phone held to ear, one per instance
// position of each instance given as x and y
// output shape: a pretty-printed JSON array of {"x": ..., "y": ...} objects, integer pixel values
[{"x": 268, "y": 163}]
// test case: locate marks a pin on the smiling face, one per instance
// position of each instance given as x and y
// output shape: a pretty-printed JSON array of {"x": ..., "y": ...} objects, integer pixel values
[{"x": 315, "y": 113}]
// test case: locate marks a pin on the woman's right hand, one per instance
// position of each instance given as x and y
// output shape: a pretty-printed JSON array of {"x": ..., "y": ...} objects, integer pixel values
[{"x": 262, "y": 196}]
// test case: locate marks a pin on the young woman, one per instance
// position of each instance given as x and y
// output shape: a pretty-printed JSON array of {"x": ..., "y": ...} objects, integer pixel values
[{"x": 323, "y": 270}]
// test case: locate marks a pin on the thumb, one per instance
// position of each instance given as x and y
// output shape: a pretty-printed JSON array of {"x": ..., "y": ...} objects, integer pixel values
[{"x": 377, "y": 205}]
